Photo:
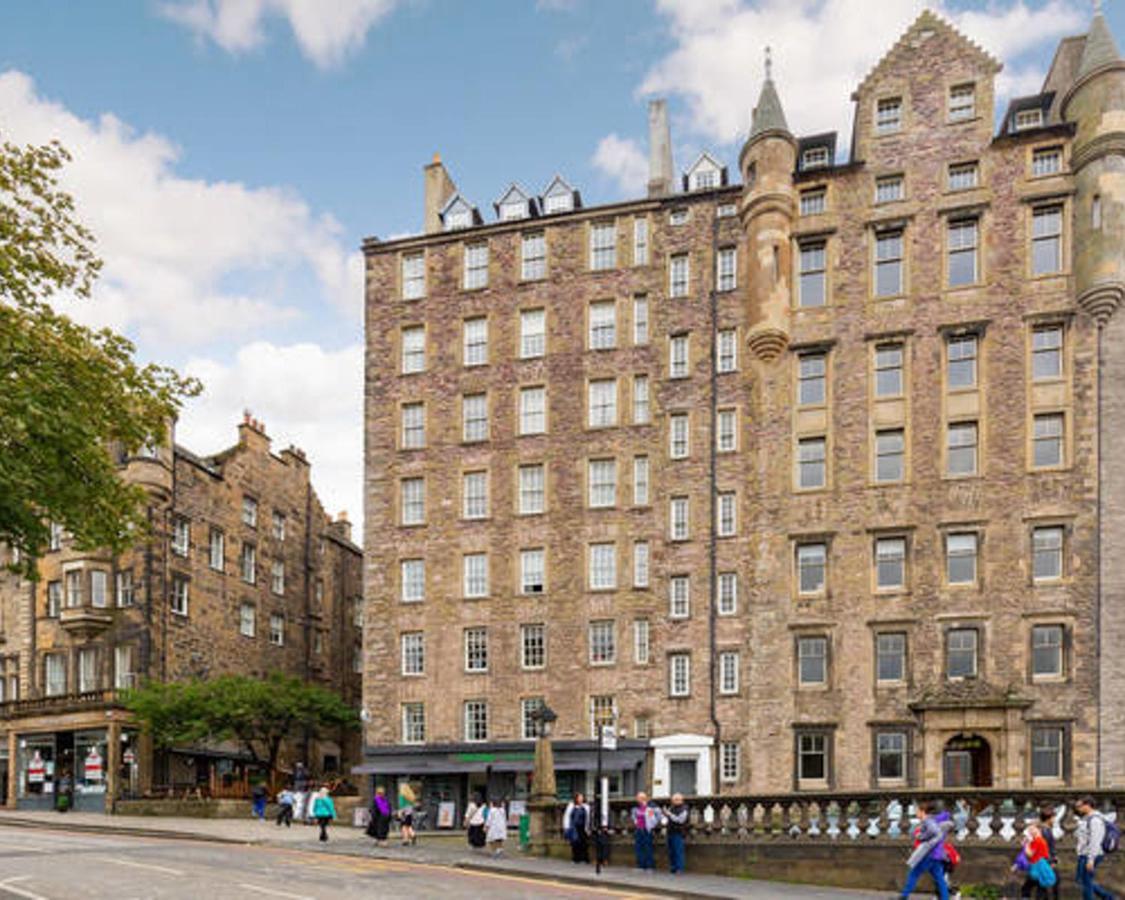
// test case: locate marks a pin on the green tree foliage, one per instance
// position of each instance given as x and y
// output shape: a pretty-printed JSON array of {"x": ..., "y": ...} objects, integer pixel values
[
  {"x": 258, "y": 713},
  {"x": 69, "y": 394}
]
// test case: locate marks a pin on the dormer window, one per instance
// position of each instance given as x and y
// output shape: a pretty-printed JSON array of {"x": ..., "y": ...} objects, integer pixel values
[
  {"x": 515, "y": 204},
  {"x": 814, "y": 158},
  {"x": 701, "y": 181},
  {"x": 558, "y": 203},
  {"x": 705, "y": 174},
  {"x": 888, "y": 115},
  {"x": 457, "y": 214},
  {"x": 678, "y": 216},
  {"x": 962, "y": 102},
  {"x": 1027, "y": 118},
  {"x": 559, "y": 197}
]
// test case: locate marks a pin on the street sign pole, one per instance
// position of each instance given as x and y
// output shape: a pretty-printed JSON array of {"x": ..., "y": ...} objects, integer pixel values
[{"x": 598, "y": 836}]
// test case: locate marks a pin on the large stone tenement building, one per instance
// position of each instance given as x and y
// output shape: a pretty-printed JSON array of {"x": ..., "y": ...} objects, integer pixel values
[
  {"x": 244, "y": 573},
  {"x": 805, "y": 482}
]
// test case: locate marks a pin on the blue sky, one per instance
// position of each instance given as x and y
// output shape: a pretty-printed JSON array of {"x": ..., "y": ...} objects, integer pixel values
[{"x": 231, "y": 154}]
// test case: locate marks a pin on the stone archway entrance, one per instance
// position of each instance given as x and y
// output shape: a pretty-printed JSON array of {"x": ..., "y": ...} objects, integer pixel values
[{"x": 967, "y": 762}]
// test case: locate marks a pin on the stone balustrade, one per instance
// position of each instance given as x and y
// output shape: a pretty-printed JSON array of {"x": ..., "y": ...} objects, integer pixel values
[{"x": 986, "y": 817}]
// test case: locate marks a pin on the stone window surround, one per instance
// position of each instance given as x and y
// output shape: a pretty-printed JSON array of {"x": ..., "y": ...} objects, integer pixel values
[
  {"x": 796, "y": 540},
  {"x": 1062, "y": 620},
  {"x": 828, "y": 731},
  {"x": 1066, "y": 726},
  {"x": 1066, "y": 523},
  {"x": 1042, "y": 201},
  {"x": 903, "y": 627},
  {"x": 893, "y": 727},
  {"x": 802, "y": 631}
]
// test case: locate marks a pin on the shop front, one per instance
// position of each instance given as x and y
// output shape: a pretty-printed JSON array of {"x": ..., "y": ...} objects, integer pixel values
[
  {"x": 445, "y": 778},
  {"x": 62, "y": 770}
]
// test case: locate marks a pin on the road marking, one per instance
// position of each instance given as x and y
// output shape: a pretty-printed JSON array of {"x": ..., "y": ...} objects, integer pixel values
[
  {"x": 7, "y": 887},
  {"x": 137, "y": 865},
  {"x": 272, "y": 892}
]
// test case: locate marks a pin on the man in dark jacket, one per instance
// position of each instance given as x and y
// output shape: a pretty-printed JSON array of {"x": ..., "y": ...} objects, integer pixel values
[{"x": 676, "y": 816}]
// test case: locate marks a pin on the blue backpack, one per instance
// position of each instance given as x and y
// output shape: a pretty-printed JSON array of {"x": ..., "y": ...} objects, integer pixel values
[{"x": 1112, "y": 839}]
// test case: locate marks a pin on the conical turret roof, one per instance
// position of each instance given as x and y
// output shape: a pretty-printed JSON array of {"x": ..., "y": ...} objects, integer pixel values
[
  {"x": 768, "y": 114},
  {"x": 1100, "y": 48}
]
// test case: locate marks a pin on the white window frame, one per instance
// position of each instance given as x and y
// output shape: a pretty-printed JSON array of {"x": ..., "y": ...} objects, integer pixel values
[
  {"x": 729, "y": 666},
  {"x": 640, "y": 320},
  {"x": 679, "y": 518},
  {"x": 727, "y": 594},
  {"x": 412, "y": 493},
  {"x": 679, "y": 596},
  {"x": 533, "y": 571},
  {"x": 412, "y": 580},
  {"x": 247, "y": 620},
  {"x": 642, "y": 560},
  {"x": 679, "y": 435},
  {"x": 642, "y": 642},
  {"x": 726, "y": 514},
  {"x": 679, "y": 356},
  {"x": 602, "y": 567},
  {"x": 474, "y": 575},
  {"x": 533, "y": 646},
  {"x": 603, "y": 246},
  {"x": 413, "y": 349},
  {"x": 474, "y": 494},
  {"x": 679, "y": 275},
  {"x": 601, "y": 407},
  {"x": 474, "y": 341},
  {"x": 413, "y": 653},
  {"x": 533, "y": 333},
  {"x": 640, "y": 241},
  {"x": 533, "y": 410},
  {"x": 532, "y": 485},
  {"x": 476, "y": 266},
  {"x": 726, "y": 269},
  {"x": 602, "y": 640},
  {"x": 414, "y": 275},
  {"x": 602, "y": 334},
  {"x": 726, "y": 350},
  {"x": 533, "y": 256},
  {"x": 476, "y": 651},
  {"x": 679, "y": 675}
]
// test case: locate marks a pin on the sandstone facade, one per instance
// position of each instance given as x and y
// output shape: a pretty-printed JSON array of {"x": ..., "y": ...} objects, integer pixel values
[
  {"x": 245, "y": 574},
  {"x": 882, "y": 429}
]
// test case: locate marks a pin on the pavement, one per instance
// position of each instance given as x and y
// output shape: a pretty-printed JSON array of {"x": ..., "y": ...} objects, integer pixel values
[{"x": 440, "y": 865}]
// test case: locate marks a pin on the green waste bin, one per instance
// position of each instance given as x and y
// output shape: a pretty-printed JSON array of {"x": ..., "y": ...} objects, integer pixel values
[{"x": 525, "y": 831}]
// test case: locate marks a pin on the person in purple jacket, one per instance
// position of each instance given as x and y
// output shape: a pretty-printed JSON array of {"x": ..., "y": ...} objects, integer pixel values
[{"x": 928, "y": 857}]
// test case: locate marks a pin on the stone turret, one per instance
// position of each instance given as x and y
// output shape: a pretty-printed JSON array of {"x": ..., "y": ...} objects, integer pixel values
[
  {"x": 768, "y": 209},
  {"x": 1095, "y": 104}
]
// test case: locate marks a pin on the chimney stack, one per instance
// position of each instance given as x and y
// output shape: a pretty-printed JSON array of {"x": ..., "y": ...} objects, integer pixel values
[
  {"x": 661, "y": 178},
  {"x": 439, "y": 188}
]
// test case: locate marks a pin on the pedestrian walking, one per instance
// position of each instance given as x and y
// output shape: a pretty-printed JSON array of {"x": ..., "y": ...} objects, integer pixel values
[
  {"x": 259, "y": 794},
  {"x": 576, "y": 828},
  {"x": 285, "y": 802},
  {"x": 1039, "y": 874},
  {"x": 646, "y": 819},
  {"x": 928, "y": 856},
  {"x": 497, "y": 827},
  {"x": 676, "y": 816},
  {"x": 300, "y": 792},
  {"x": 381, "y": 814},
  {"x": 323, "y": 810},
  {"x": 1093, "y": 829},
  {"x": 474, "y": 821},
  {"x": 406, "y": 801}
]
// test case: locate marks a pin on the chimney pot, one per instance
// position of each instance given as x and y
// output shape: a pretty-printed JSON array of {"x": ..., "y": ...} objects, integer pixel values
[{"x": 660, "y": 169}]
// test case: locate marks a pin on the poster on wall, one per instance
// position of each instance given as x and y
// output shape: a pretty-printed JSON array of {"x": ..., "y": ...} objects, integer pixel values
[
  {"x": 445, "y": 814},
  {"x": 36, "y": 769},
  {"x": 93, "y": 765},
  {"x": 516, "y": 808}
]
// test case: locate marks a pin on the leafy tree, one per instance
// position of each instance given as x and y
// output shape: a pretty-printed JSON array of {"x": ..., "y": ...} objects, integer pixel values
[
  {"x": 68, "y": 393},
  {"x": 258, "y": 713}
]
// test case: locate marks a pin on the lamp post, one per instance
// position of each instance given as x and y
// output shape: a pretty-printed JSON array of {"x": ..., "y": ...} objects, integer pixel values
[
  {"x": 544, "y": 797},
  {"x": 600, "y": 793}
]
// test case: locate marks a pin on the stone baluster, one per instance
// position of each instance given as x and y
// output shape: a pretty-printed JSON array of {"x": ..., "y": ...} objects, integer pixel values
[
  {"x": 776, "y": 824},
  {"x": 814, "y": 820},
  {"x": 794, "y": 816},
  {"x": 833, "y": 819},
  {"x": 759, "y": 817},
  {"x": 984, "y": 823},
  {"x": 876, "y": 823},
  {"x": 895, "y": 813},
  {"x": 742, "y": 815}
]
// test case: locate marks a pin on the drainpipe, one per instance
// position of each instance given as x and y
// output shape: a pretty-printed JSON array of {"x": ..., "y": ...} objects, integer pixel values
[
  {"x": 712, "y": 549},
  {"x": 1098, "y": 578}
]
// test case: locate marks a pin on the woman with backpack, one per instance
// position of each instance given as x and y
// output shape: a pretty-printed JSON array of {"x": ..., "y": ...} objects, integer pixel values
[{"x": 1037, "y": 859}]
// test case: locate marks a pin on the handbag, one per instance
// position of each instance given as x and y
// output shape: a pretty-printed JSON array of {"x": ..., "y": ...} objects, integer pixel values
[{"x": 1042, "y": 873}]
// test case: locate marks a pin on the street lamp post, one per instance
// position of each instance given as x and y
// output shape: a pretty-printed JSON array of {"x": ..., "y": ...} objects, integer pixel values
[
  {"x": 600, "y": 793},
  {"x": 544, "y": 798}
]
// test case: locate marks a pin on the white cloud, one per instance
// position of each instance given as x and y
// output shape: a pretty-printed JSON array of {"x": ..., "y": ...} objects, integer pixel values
[
  {"x": 326, "y": 32},
  {"x": 821, "y": 52},
  {"x": 622, "y": 160},
  {"x": 174, "y": 248},
  {"x": 305, "y": 395}
]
